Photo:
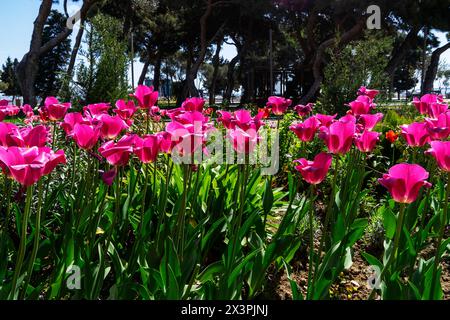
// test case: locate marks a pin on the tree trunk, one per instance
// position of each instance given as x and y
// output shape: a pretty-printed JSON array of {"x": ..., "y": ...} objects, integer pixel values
[
  {"x": 348, "y": 36},
  {"x": 73, "y": 57},
  {"x": 28, "y": 67},
  {"x": 216, "y": 65},
  {"x": 230, "y": 77},
  {"x": 157, "y": 72},
  {"x": 430, "y": 75},
  {"x": 144, "y": 71},
  {"x": 400, "y": 52},
  {"x": 189, "y": 85}
]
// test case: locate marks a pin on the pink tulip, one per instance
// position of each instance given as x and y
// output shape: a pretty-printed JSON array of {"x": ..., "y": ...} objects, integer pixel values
[
  {"x": 85, "y": 135},
  {"x": 362, "y": 105},
  {"x": 302, "y": 110},
  {"x": 436, "y": 109},
  {"x": 165, "y": 141},
  {"x": 306, "y": 130},
  {"x": 325, "y": 120},
  {"x": 439, "y": 128},
  {"x": 32, "y": 137},
  {"x": 367, "y": 141},
  {"x": 145, "y": 96},
  {"x": 423, "y": 104},
  {"x": 404, "y": 182},
  {"x": 53, "y": 110},
  {"x": 118, "y": 154},
  {"x": 314, "y": 172},
  {"x": 371, "y": 93},
  {"x": 147, "y": 148},
  {"x": 125, "y": 110},
  {"x": 70, "y": 120},
  {"x": 440, "y": 150},
  {"x": 7, "y": 110},
  {"x": 369, "y": 121},
  {"x": 96, "y": 110},
  {"x": 415, "y": 134},
  {"x": 193, "y": 104},
  {"x": 7, "y": 130},
  {"x": 28, "y": 111},
  {"x": 279, "y": 105},
  {"x": 28, "y": 165},
  {"x": 339, "y": 135},
  {"x": 241, "y": 119},
  {"x": 244, "y": 142},
  {"x": 111, "y": 126}
]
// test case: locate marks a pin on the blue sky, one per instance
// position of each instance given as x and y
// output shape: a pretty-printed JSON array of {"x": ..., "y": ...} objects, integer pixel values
[{"x": 17, "y": 17}]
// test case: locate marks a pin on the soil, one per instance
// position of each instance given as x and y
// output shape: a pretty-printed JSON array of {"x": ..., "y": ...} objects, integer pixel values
[{"x": 351, "y": 285}]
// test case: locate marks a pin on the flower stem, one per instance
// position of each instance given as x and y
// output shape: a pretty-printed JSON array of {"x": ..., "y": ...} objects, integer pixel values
[
  {"x": 311, "y": 241},
  {"x": 37, "y": 233},
  {"x": 393, "y": 255},
  {"x": 441, "y": 235},
  {"x": 23, "y": 235}
]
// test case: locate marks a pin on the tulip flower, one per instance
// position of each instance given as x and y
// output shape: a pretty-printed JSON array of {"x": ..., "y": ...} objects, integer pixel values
[
  {"x": 53, "y": 110},
  {"x": 314, "y": 172},
  {"x": 244, "y": 141},
  {"x": 28, "y": 165},
  {"x": 304, "y": 110},
  {"x": 193, "y": 104},
  {"x": 125, "y": 110},
  {"x": 404, "y": 182},
  {"x": 32, "y": 137},
  {"x": 278, "y": 105},
  {"x": 436, "y": 109},
  {"x": 96, "y": 110},
  {"x": 147, "y": 148},
  {"x": 362, "y": 105},
  {"x": 7, "y": 130},
  {"x": 339, "y": 135},
  {"x": 325, "y": 120},
  {"x": 416, "y": 134},
  {"x": 439, "y": 128},
  {"x": 367, "y": 141},
  {"x": 70, "y": 120},
  {"x": 27, "y": 111},
  {"x": 391, "y": 136},
  {"x": 423, "y": 104},
  {"x": 440, "y": 150},
  {"x": 85, "y": 135},
  {"x": 241, "y": 119},
  {"x": 145, "y": 96},
  {"x": 118, "y": 154},
  {"x": 371, "y": 93},
  {"x": 369, "y": 121},
  {"x": 306, "y": 130},
  {"x": 7, "y": 110},
  {"x": 165, "y": 141},
  {"x": 111, "y": 126}
]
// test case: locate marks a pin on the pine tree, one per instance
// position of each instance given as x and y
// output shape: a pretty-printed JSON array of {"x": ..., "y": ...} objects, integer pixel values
[{"x": 9, "y": 79}]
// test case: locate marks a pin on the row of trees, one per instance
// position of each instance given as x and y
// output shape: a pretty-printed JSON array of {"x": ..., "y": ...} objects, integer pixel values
[{"x": 316, "y": 45}]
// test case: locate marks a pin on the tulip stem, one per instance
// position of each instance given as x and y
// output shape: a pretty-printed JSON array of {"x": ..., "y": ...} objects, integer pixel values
[
  {"x": 393, "y": 255},
  {"x": 37, "y": 234},
  {"x": 441, "y": 236},
  {"x": 327, "y": 219},
  {"x": 23, "y": 235},
  {"x": 311, "y": 241}
]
